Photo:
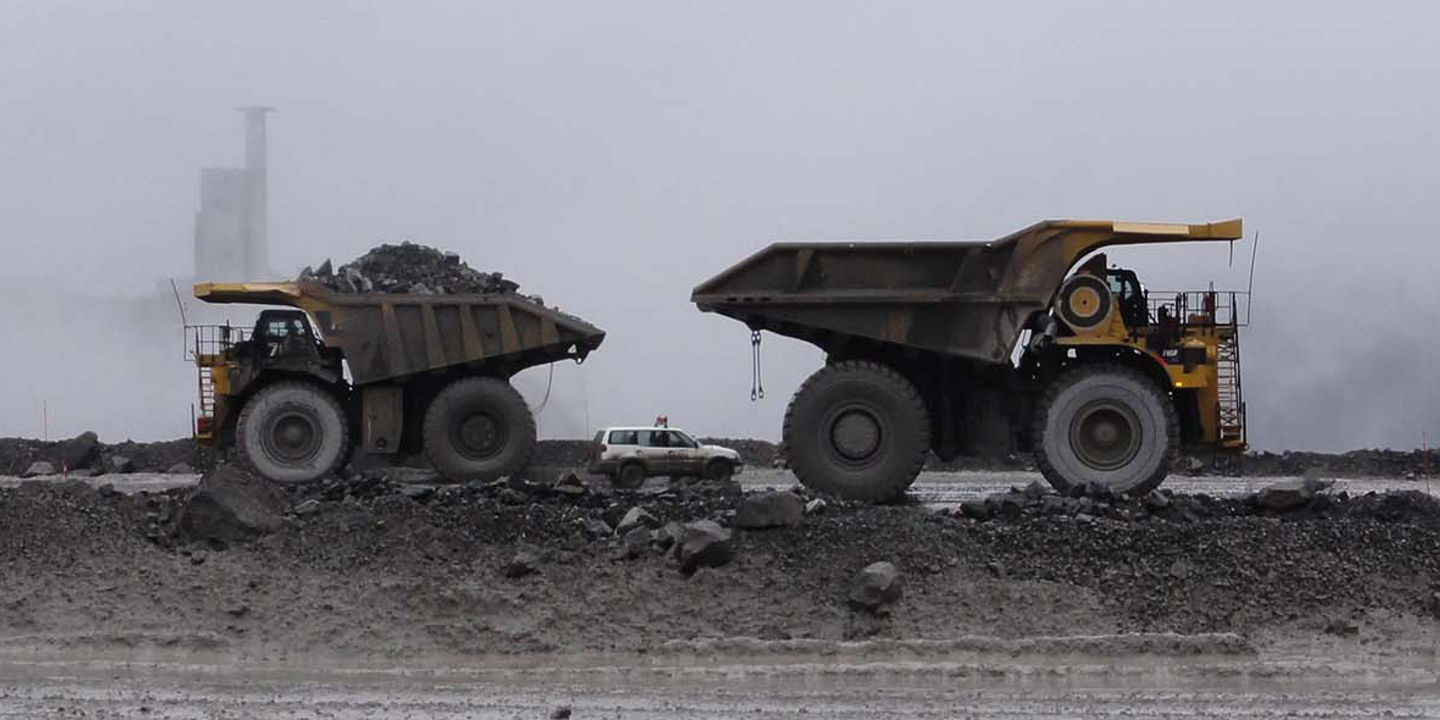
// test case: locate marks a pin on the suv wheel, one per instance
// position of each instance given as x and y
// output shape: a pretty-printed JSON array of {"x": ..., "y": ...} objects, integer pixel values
[
  {"x": 719, "y": 471},
  {"x": 630, "y": 476}
]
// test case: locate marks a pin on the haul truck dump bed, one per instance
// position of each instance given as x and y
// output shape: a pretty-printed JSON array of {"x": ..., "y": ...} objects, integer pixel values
[
  {"x": 920, "y": 338},
  {"x": 425, "y": 371}
]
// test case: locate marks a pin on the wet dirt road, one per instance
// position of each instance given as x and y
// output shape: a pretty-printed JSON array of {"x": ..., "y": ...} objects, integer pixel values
[{"x": 977, "y": 687}]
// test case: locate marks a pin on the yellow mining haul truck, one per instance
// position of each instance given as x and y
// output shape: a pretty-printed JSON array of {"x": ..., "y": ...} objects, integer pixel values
[
  {"x": 425, "y": 372},
  {"x": 984, "y": 348}
]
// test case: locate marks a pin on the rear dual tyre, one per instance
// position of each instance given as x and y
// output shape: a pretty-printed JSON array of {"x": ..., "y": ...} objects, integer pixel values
[
  {"x": 478, "y": 428},
  {"x": 857, "y": 430}
]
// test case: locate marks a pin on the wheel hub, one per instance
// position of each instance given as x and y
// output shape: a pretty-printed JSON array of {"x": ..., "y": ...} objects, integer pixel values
[
  {"x": 855, "y": 434},
  {"x": 479, "y": 434},
  {"x": 293, "y": 437},
  {"x": 1105, "y": 436}
]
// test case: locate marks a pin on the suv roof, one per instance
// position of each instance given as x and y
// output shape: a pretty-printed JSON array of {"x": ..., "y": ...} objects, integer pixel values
[{"x": 638, "y": 427}]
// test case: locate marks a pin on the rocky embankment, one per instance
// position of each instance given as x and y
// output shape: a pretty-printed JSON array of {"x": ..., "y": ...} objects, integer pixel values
[{"x": 371, "y": 564}]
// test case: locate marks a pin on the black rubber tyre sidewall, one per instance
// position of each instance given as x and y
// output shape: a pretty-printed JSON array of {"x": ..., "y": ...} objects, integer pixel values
[
  {"x": 1154, "y": 414},
  {"x": 330, "y": 422},
  {"x": 503, "y": 404},
  {"x": 894, "y": 403}
]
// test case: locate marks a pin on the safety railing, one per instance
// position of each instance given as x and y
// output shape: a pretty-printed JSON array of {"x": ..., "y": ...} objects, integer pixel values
[
  {"x": 210, "y": 341},
  {"x": 1188, "y": 308}
]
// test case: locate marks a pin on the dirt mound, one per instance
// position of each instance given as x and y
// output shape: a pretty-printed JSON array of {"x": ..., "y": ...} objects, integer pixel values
[
  {"x": 561, "y": 453},
  {"x": 371, "y": 564},
  {"x": 410, "y": 268},
  {"x": 17, "y": 454},
  {"x": 1356, "y": 463}
]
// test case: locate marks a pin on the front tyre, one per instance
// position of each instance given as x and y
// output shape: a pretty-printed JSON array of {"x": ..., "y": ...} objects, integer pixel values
[
  {"x": 293, "y": 432},
  {"x": 478, "y": 428},
  {"x": 719, "y": 471},
  {"x": 857, "y": 430},
  {"x": 1109, "y": 425}
]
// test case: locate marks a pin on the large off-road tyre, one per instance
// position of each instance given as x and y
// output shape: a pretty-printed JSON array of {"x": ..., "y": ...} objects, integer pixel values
[
  {"x": 478, "y": 428},
  {"x": 1105, "y": 424},
  {"x": 857, "y": 430},
  {"x": 293, "y": 432}
]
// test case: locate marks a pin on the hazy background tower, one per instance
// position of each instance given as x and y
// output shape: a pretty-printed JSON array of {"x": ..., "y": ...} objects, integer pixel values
[{"x": 231, "y": 227}]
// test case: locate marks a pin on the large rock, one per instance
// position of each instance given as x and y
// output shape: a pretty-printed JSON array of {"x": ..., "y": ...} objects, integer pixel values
[
  {"x": 665, "y": 537},
  {"x": 231, "y": 505},
  {"x": 38, "y": 468},
  {"x": 876, "y": 587},
  {"x": 769, "y": 509},
  {"x": 637, "y": 517},
  {"x": 118, "y": 464},
  {"x": 180, "y": 468},
  {"x": 568, "y": 483},
  {"x": 636, "y": 542},
  {"x": 1291, "y": 494},
  {"x": 702, "y": 544},
  {"x": 77, "y": 452}
]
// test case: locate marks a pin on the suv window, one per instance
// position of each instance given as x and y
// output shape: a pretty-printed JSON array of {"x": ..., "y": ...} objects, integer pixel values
[
  {"x": 654, "y": 438},
  {"x": 679, "y": 440},
  {"x": 623, "y": 437}
]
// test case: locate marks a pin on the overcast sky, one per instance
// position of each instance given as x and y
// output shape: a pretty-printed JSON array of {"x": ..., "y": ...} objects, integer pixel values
[{"x": 610, "y": 156}]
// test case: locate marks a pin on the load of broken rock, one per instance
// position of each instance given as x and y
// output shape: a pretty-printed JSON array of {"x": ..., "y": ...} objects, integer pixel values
[{"x": 409, "y": 268}]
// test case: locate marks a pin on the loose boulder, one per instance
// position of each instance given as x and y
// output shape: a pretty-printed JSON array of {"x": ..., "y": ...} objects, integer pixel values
[
  {"x": 180, "y": 468},
  {"x": 38, "y": 468},
  {"x": 635, "y": 543},
  {"x": 1291, "y": 494},
  {"x": 702, "y": 544},
  {"x": 568, "y": 483},
  {"x": 596, "y": 528},
  {"x": 876, "y": 587},
  {"x": 231, "y": 505},
  {"x": 637, "y": 517},
  {"x": 769, "y": 509},
  {"x": 118, "y": 464},
  {"x": 666, "y": 536}
]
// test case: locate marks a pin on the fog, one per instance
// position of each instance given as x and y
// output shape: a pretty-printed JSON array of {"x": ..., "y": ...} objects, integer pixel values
[{"x": 610, "y": 156}]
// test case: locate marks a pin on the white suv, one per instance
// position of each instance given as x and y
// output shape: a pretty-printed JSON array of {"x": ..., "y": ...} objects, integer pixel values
[{"x": 631, "y": 454}]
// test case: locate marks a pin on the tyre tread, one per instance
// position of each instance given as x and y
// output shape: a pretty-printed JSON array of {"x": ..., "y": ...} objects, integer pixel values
[
  {"x": 1047, "y": 398},
  {"x": 248, "y": 464},
  {"x": 905, "y": 392}
]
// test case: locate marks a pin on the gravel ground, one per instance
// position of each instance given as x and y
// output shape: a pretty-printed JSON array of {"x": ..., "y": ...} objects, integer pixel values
[
  {"x": 1327, "y": 609},
  {"x": 936, "y": 489}
]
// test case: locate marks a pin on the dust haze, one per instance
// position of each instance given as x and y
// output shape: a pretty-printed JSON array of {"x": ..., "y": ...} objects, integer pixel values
[{"x": 610, "y": 156}]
